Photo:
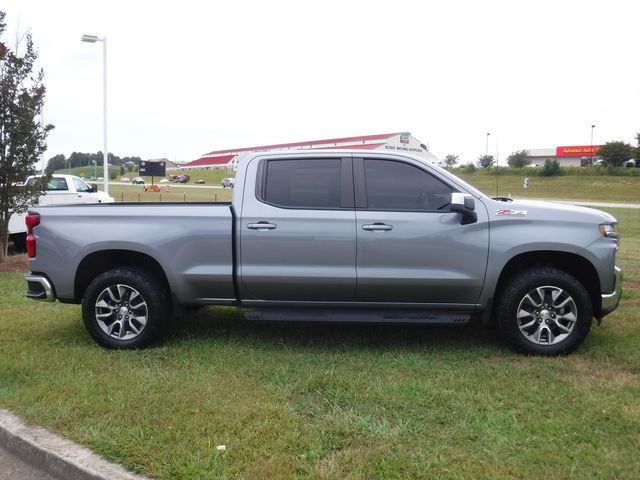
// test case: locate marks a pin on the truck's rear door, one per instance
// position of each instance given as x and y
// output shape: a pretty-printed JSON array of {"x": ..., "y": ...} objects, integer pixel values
[{"x": 297, "y": 231}]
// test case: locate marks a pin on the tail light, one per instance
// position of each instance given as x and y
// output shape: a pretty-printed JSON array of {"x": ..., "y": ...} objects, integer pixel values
[{"x": 32, "y": 220}]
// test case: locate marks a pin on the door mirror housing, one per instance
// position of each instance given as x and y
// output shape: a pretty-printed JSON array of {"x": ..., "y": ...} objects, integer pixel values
[{"x": 465, "y": 205}]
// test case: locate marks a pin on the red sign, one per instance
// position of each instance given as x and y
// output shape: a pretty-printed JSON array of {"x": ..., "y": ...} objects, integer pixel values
[{"x": 578, "y": 151}]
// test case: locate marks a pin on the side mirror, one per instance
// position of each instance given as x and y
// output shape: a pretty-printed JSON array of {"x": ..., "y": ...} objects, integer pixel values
[
  {"x": 93, "y": 189},
  {"x": 465, "y": 205}
]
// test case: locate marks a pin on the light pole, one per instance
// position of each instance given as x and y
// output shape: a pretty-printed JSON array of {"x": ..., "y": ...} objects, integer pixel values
[
  {"x": 94, "y": 39},
  {"x": 591, "y": 145},
  {"x": 486, "y": 150}
]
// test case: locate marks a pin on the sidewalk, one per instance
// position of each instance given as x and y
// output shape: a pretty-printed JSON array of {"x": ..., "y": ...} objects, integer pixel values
[{"x": 32, "y": 451}]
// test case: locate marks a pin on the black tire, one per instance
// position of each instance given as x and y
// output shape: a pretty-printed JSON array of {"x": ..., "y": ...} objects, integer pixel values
[
  {"x": 544, "y": 311},
  {"x": 125, "y": 308},
  {"x": 19, "y": 242}
]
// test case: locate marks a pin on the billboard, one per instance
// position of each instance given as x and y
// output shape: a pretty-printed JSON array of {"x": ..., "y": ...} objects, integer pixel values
[
  {"x": 577, "y": 151},
  {"x": 152, "y": 169}
]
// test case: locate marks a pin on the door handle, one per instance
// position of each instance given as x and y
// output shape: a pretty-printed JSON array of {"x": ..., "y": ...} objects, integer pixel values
[
  {"x": 261, "y": 226},
  {"x": 377, "y": 227}
]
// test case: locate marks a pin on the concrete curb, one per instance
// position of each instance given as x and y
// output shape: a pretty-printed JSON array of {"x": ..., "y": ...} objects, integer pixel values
[{"x": 55, "y": 455}]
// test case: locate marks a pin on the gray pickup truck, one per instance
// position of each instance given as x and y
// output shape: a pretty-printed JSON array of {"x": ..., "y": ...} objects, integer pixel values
[{"x": 335, "y": 236}]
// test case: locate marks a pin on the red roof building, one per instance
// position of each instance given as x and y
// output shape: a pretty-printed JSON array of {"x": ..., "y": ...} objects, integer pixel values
[{"x": 401, "y": 141}]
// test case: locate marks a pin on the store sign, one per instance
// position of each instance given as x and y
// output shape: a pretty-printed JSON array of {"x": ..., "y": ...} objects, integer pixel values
[{"x": 577, "y": 151}]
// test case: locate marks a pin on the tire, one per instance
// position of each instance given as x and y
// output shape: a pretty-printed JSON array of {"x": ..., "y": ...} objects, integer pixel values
[
  {"x": 19, "y": 242},
  {"x": 544, "y": 311},
  {"x": 125, "y": 308}
]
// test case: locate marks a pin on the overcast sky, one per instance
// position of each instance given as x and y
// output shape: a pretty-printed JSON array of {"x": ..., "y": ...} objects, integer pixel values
[{"x": 187, "y": 77}]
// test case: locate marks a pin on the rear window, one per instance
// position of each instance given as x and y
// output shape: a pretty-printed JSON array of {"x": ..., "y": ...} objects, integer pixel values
[{"x": 296, "y": 183}]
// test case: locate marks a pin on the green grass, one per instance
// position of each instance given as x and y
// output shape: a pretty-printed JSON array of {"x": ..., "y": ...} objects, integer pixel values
[
  {"x": 332, "y": 401},
  {"x": 624, "y": 189}
]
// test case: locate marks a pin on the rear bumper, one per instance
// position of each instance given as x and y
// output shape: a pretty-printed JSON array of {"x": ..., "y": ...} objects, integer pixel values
[
  {"x": 39, "y": 288},
  {"x": 610, "y": 301}
]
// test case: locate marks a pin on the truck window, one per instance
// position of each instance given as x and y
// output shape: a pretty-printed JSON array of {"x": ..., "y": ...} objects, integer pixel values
[
  {"x": 81, "y": 186},
  {"x": 57, "y": 184},
  {"x": 308, "y": 184},
  {"x": 393, "y": 185}
]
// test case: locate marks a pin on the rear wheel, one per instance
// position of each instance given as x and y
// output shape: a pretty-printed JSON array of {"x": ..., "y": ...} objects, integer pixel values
[
  {"x": 544, "y": 311},
  {"x": 125, "y": 308}
]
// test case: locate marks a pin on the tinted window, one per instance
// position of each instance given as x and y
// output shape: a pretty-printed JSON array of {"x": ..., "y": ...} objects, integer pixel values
[
  {"x": 400, "y": 186},
  {"x": 303, "y": 183}
]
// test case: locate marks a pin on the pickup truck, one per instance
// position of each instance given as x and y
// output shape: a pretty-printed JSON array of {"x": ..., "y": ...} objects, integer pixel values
[
  {"x": 333, "y": 236},
  {"x": 61, "y": 189}
]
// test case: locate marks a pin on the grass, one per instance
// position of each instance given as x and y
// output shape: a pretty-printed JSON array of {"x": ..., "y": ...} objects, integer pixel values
[
  {"x": 573, "y": 187},
  {"x": 322, "y": 401}
]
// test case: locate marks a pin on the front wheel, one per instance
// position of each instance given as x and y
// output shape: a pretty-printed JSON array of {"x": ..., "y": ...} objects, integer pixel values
[
  {"x": 125, "y": 308},
  {"x": 544, "y": 311}
]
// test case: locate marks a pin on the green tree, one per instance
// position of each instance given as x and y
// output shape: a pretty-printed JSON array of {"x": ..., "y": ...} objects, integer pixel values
[
  {"x": 518, "y": 159},
  {"x": 57, "y": 162},
  {"x": 551, "y": 168},
  {"x": 615, "y": 153},
  {"x": 450, "y": 160},
  {"x": 485, "y": 161},
  {"x": 22, "y": 134}
]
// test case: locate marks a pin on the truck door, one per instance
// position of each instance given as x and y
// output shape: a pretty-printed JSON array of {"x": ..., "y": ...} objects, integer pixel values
[
  {"x": 410, "y": 247},
  {"x": 298, "y": 232}
]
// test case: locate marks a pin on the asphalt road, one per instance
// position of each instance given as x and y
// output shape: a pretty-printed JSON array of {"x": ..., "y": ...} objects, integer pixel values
[{"x": 12, "y": 468}]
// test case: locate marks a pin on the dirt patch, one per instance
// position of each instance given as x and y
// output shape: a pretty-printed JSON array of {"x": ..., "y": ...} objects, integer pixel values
[{"x": 15, "y": 263}]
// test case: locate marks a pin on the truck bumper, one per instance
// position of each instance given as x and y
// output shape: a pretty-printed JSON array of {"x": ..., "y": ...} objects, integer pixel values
[
  {"x": 39, "y": 288},
  {"x": 610, "y": 301}
]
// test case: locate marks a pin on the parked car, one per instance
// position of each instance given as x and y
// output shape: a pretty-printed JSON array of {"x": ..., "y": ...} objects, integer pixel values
[
  {"x": 334, "y": 236},
  {"x": 138, "y": 181},
  {"x": 631, "y": 163},
  {"x": 601, "y": 162},
  {"x": 200, "y": 182},
  {"x": 228, "y": 182},
  {"x": 179, "y": 178}
]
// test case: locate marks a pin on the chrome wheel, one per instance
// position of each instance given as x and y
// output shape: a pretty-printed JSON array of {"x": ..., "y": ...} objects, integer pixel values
[
  {"x": 121, "y": 312},
  {"x": 547, "y": 315}
]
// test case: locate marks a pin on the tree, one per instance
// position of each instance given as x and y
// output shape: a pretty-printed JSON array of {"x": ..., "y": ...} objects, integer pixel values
[
  {"x": 57, "y": 162},
  {"x": 22, "y": 134},
  {"x": 518, "y": 159},
  {"x": 615, "y": 153},
  {"x": 450, "y": 160},
  {"x": 485, "y": 161}
]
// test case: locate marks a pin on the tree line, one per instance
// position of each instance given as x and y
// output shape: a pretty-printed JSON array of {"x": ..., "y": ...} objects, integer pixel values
[
  {"x": 614, "y": 153},
  {"x": 81, "y": 159}
]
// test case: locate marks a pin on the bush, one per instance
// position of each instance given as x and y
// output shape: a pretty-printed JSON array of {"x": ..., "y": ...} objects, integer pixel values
[
  {"x": 468, "y": 168},
  {"x": 551, "y": 168}
]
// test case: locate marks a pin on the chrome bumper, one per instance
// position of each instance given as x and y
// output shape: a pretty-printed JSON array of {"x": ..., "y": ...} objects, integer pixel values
[
  {"x": 39, "y": 288},
  {"x": 610, "y": 300}
]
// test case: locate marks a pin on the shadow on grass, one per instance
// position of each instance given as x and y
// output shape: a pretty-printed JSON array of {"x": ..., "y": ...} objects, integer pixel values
[{"x": 228, "y": 324}]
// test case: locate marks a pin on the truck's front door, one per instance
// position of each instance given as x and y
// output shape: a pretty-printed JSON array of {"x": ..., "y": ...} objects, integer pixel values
[
  {"x": 411, "y": 248},
  {"x": 297, "y": 232}
]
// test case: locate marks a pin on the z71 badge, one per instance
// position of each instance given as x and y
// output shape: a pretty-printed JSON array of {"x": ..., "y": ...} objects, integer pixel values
[{"x": 508, "y": 211}]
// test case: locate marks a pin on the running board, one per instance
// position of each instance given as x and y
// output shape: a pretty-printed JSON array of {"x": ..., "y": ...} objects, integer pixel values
[{"x": 428, "y": 317}]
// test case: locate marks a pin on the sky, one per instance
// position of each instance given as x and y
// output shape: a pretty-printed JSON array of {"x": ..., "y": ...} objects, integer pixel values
[{"x": 189, "y": 77}]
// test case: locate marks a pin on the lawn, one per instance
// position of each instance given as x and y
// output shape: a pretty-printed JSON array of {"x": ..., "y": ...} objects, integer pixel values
[{"x": 332, "y": 402}]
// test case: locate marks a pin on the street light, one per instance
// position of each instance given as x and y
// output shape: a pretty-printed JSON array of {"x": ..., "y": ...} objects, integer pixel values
[
  {"x": 486, "y": 150},
  {"x": 94, "y": 39},
  {"x": 591, "y": 144}
]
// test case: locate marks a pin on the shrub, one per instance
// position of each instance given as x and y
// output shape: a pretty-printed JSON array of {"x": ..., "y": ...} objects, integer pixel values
[{"x": 551, "y": 168}]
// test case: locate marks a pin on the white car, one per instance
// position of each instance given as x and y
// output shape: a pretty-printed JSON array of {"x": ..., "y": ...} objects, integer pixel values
[{"x": 138, "y": 181}]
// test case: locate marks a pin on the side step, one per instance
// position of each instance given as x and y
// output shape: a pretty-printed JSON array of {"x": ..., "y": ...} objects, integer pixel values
[{"x": 427, "y": 317}]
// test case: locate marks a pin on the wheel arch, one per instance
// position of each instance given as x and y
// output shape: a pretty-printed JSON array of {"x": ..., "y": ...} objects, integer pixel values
[
  {"x": 575, "y": 265},
  {"x": 102, "y": 261}
]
